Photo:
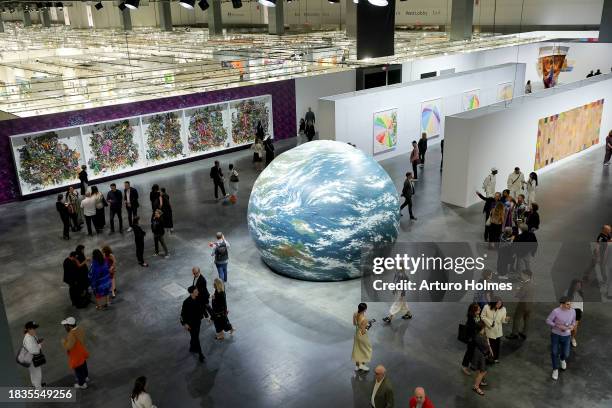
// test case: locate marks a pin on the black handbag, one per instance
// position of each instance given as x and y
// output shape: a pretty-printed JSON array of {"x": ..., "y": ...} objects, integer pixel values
[
  {"x": 38, "y": 359},
  {"x": 462, "y": 334}
]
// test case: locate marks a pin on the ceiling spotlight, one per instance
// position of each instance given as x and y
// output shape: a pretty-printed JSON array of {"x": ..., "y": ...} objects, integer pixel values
[
  {"x": 188, "y": 4},
  {"x": 268, "y": 3},
  {"x": 203, "y": 4},
  {"x": 133, "y": 4},
  {"x": 236, "y": 4},
  {"x": 99, "y": 6},
  {"x": 379, "y": 3},
  {"x": 122, "y": 6}
]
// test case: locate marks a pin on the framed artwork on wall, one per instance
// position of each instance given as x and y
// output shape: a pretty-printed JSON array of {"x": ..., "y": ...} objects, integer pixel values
[
  {"x": 163, "y": 137},
  {"x": 207, "y": 128},
  {"x": 384, "y": 134},
  {"x": 505, "y": 91},
  {"x": 471, "y": 100},
  {"x": 245, "y": 114},
  {"x": 431, "y": 117}
]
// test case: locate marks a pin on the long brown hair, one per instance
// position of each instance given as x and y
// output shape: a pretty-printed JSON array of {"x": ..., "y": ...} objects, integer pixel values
[{"x": 139, "y": 387}]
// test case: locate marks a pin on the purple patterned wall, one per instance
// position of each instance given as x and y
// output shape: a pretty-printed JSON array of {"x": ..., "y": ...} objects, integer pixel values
[{"x": 283, "y": 111}]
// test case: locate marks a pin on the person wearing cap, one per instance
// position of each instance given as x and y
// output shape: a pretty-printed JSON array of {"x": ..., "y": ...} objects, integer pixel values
[
  {"x": 516, "y": 180},
  {"x": 489, "y": 185},
  {"x": 192, "y": 313},
  {"x": 562, "y": 321},
  {"x": 33, "y": 345},
  {"x": 74, "y": 344}
]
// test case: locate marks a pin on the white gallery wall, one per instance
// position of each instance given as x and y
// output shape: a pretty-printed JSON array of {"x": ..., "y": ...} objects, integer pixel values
[
  {"x": 504, "y": 136},
  {"x": 349, "y": 117},
  {"x": 309, "y": 89}
]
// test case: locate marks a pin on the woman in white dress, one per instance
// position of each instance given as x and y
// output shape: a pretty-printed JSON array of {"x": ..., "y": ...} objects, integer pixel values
[
  {"x": 400, "y": 305},
  {"x": 530, "y": 188},
  {"x": 32, "y": 346},
  {"x": 139, "y": 397}
]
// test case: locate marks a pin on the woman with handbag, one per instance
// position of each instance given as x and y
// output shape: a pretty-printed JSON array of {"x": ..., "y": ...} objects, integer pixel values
[
  {"x": 220, "y": 312},
  {"x": 32, "y": 354},
  {"x": 233, "y": 181},
  {"x": 100, "y": 280},
  {"x": 100, "y": 218},
  {"x": 494, "y": 317},
  {"x": 72, "y": 198},
  {"x": 471, "y": 330},
  {"x": 74, "y": 344},
  {"x": 482, "y": 350}
]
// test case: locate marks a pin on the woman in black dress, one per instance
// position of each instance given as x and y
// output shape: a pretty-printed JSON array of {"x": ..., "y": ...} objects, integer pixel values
[
  {"x": 83, "y": 179},
  {"x": 166, "y": 210},
  {"x": 100, "y": 218},
  {"x": 154, "y": 196},
  {"x": 471, "y": 326},
  {"x": 259, "y": 131},
  {"x": 219, "y": 307},
  {"x": 482, "y": 349}
]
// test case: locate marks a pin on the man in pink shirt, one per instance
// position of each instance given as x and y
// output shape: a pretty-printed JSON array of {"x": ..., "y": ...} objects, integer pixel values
[
  {"x": 414, "y": 159},
  {"x": 562, "y": 321}
]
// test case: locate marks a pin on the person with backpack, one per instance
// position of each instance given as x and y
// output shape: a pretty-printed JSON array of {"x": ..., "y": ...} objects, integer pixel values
[{"x": 220, "y": 253}]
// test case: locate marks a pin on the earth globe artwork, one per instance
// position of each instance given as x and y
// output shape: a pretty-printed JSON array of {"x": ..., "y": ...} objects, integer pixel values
[{"x": 317, "y": 206}]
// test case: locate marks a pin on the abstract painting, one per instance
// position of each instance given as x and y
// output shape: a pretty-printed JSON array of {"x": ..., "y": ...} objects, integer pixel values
[
  {"x": 568, "y": 133},
  {"x": 113, "y": 147},
  {"x": 431, "y": 117},
  {"x": 505, "y": 91},
  {"x": 471, "y": 99},
  {"x": 385, "y": 130},
  {"x": 206, "y": 128},
  {"x": 245, "y": 116},
  {"x": 163, "y": 137},
  {"x": 551, "y": 62}
]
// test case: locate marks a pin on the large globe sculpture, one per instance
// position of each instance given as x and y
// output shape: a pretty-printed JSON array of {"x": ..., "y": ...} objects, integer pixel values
[{"x": 317, "y": 206}]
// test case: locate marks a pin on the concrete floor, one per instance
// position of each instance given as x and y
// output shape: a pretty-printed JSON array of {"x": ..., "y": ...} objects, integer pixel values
[{"x": 293, "y": 341}]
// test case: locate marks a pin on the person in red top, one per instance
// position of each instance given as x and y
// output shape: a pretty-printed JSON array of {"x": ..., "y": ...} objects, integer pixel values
[
  {"x": 414, "y": 159},
  {"x": 420, "y": 400}
]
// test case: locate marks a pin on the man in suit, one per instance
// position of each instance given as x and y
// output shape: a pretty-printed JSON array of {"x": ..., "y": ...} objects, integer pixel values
[
  {"x": 130, "y": 197},
  {"x": 407, "y": 193},
  {"x": 382, "y": 390},
  {"x": 115, "y": 202},
  {"x": 203, "y": 295},
  {"x": 216, "y": 174},
  {"x": 419, "y": 399},
  {"x": 139, "y": 235},
  {"x": 191, "y": 319}
]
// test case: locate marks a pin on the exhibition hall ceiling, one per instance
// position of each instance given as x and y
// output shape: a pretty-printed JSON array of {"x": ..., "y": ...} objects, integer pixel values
[{"x": 62, "y": 69}]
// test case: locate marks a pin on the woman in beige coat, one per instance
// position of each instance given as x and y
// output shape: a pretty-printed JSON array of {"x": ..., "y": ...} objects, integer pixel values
[
  {"x": 362, "y": 348},
  {"x": 494, "y": 317}
]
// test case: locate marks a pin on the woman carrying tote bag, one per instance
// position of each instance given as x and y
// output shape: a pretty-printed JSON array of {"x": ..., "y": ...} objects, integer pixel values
[{"x": 31, "y": 353}]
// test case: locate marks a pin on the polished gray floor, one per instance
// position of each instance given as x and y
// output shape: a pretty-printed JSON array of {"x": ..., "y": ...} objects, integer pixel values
[{"x": 293, "y": 341}]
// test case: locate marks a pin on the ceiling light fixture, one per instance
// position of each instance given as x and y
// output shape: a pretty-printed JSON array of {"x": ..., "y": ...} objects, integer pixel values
[
  {"x": 267, "y": 3},
  {"x": 236, "y": 4},
  {"x": 132, "y": 4},
  {"x": 99, "y": 6},
  {"x": 188, "y": 4},
  {"x": 203, "y": 4},
  {"x": 379, "y": 3}
]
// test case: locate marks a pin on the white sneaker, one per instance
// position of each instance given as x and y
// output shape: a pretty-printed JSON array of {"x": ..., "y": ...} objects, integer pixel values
[
  {"x": 563, "y": 365},
  {"x": 606, "y": 164},
  {"x": 129, "y": 229},
  {"x": 364, "y": 367},
  {"x": 83, "y": 387},
  {"x": 574, "y": 342},
  {"x": 555, "y": 375}
]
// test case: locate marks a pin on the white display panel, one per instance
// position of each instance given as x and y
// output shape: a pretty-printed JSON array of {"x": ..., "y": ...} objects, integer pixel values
[{"x": 50, "y": 159}]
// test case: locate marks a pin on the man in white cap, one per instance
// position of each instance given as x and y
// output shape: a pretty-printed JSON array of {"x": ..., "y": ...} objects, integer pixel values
[
  {"x": 74, "y": 344},
  {"x": 516, "y": 179},
  {"x": 489, "y": 184}
]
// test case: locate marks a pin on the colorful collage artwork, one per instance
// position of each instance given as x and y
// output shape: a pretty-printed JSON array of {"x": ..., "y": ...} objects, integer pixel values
[
  {"x": 431, "y": 117},
  {"x": 50, "y": 160},
  {"x": 471, "y": 99},
  {"x": 385, "y": 131},
  {"x": 568, "y": 133}
]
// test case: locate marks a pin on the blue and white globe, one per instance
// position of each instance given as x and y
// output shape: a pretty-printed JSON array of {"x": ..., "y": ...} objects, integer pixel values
[{"x": 317, "y": 206}]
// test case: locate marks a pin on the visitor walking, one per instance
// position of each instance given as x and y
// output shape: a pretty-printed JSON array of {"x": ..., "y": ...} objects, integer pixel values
[
  {"x": 489, "y": 185},
  {"x": 220, "y": 312},
  {"x": 407, "y": 193},
  {"x": 362, "y": 348},
  {"x": 139, "y": 235},
  {"x": 576, "y": 296},
  {"x": 74, "y": 344},
  {"x": 233, "y": 181},
  {"x": 203, "y": 294},
  {"x": 216, "y": 174},
  {"x": 269, "y": 148},
  {"x": 420, "y": 400},
  {"x": 301, "y": 132},
  {"x": 522, "y": 313},
  {"x": 74, "y": 208},
  {"x": 157, "y": 228},
  {"x": 258, "y": 153},
  {"x": 310, "y": 116},
  {"x": 516, "y": 180},
  {"x": 494, "y": 317},
  {"x": 191, "y": 319},
  {"x": 382, "y": 389},
  {"x": 154, "y": 197},
  {"x": 530, "y": 188},
  {"x": 399, "y": 305},
  {"x": 100, "y": 218},
  {"x": 414, "y": 160},
  {"x": 64, "y": 213},
  {"x": 599, "y": 257},
  {"x": 422, "y": 145},
  {"x": 166, "y": 209},
  {"x": 309, "y": 130},
  {"x": 608, "y": 155},
  {"x": 89, "y": 211},
  {"x": 140, "y": 398},
  {"x": 130, "y": 196},
  {"x": 115, "y": 201},
  {"x": 471, "y": 330},
  {"x": 32, "y": 354},
  {"x": 83, "y": 179},
  {"x": 482, "y": 351},
  {"x": 110, "y": 260},
  {"x": 100, "y": 280},
  {"x": 562, "y": 321},
  {"x": 220, "y": 252}
]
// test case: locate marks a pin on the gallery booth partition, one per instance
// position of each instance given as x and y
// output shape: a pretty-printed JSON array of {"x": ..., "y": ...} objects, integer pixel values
[{"x": 43, "y": 153}]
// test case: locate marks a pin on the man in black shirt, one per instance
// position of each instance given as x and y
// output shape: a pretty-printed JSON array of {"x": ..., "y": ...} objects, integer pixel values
[
  {"x": 130, "y": 196},
  {"x": 407, "y": 193},
  {"x": 71, "y": 275},
  {"x": 62, "y": 209},
  {"x": 203, "y": 295},
  {"x": 191, "y": 319},
  {"x": 217, "y": 176},
  {"x": 115, "y": 201},
  {"x": 139, "y": 235}
]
